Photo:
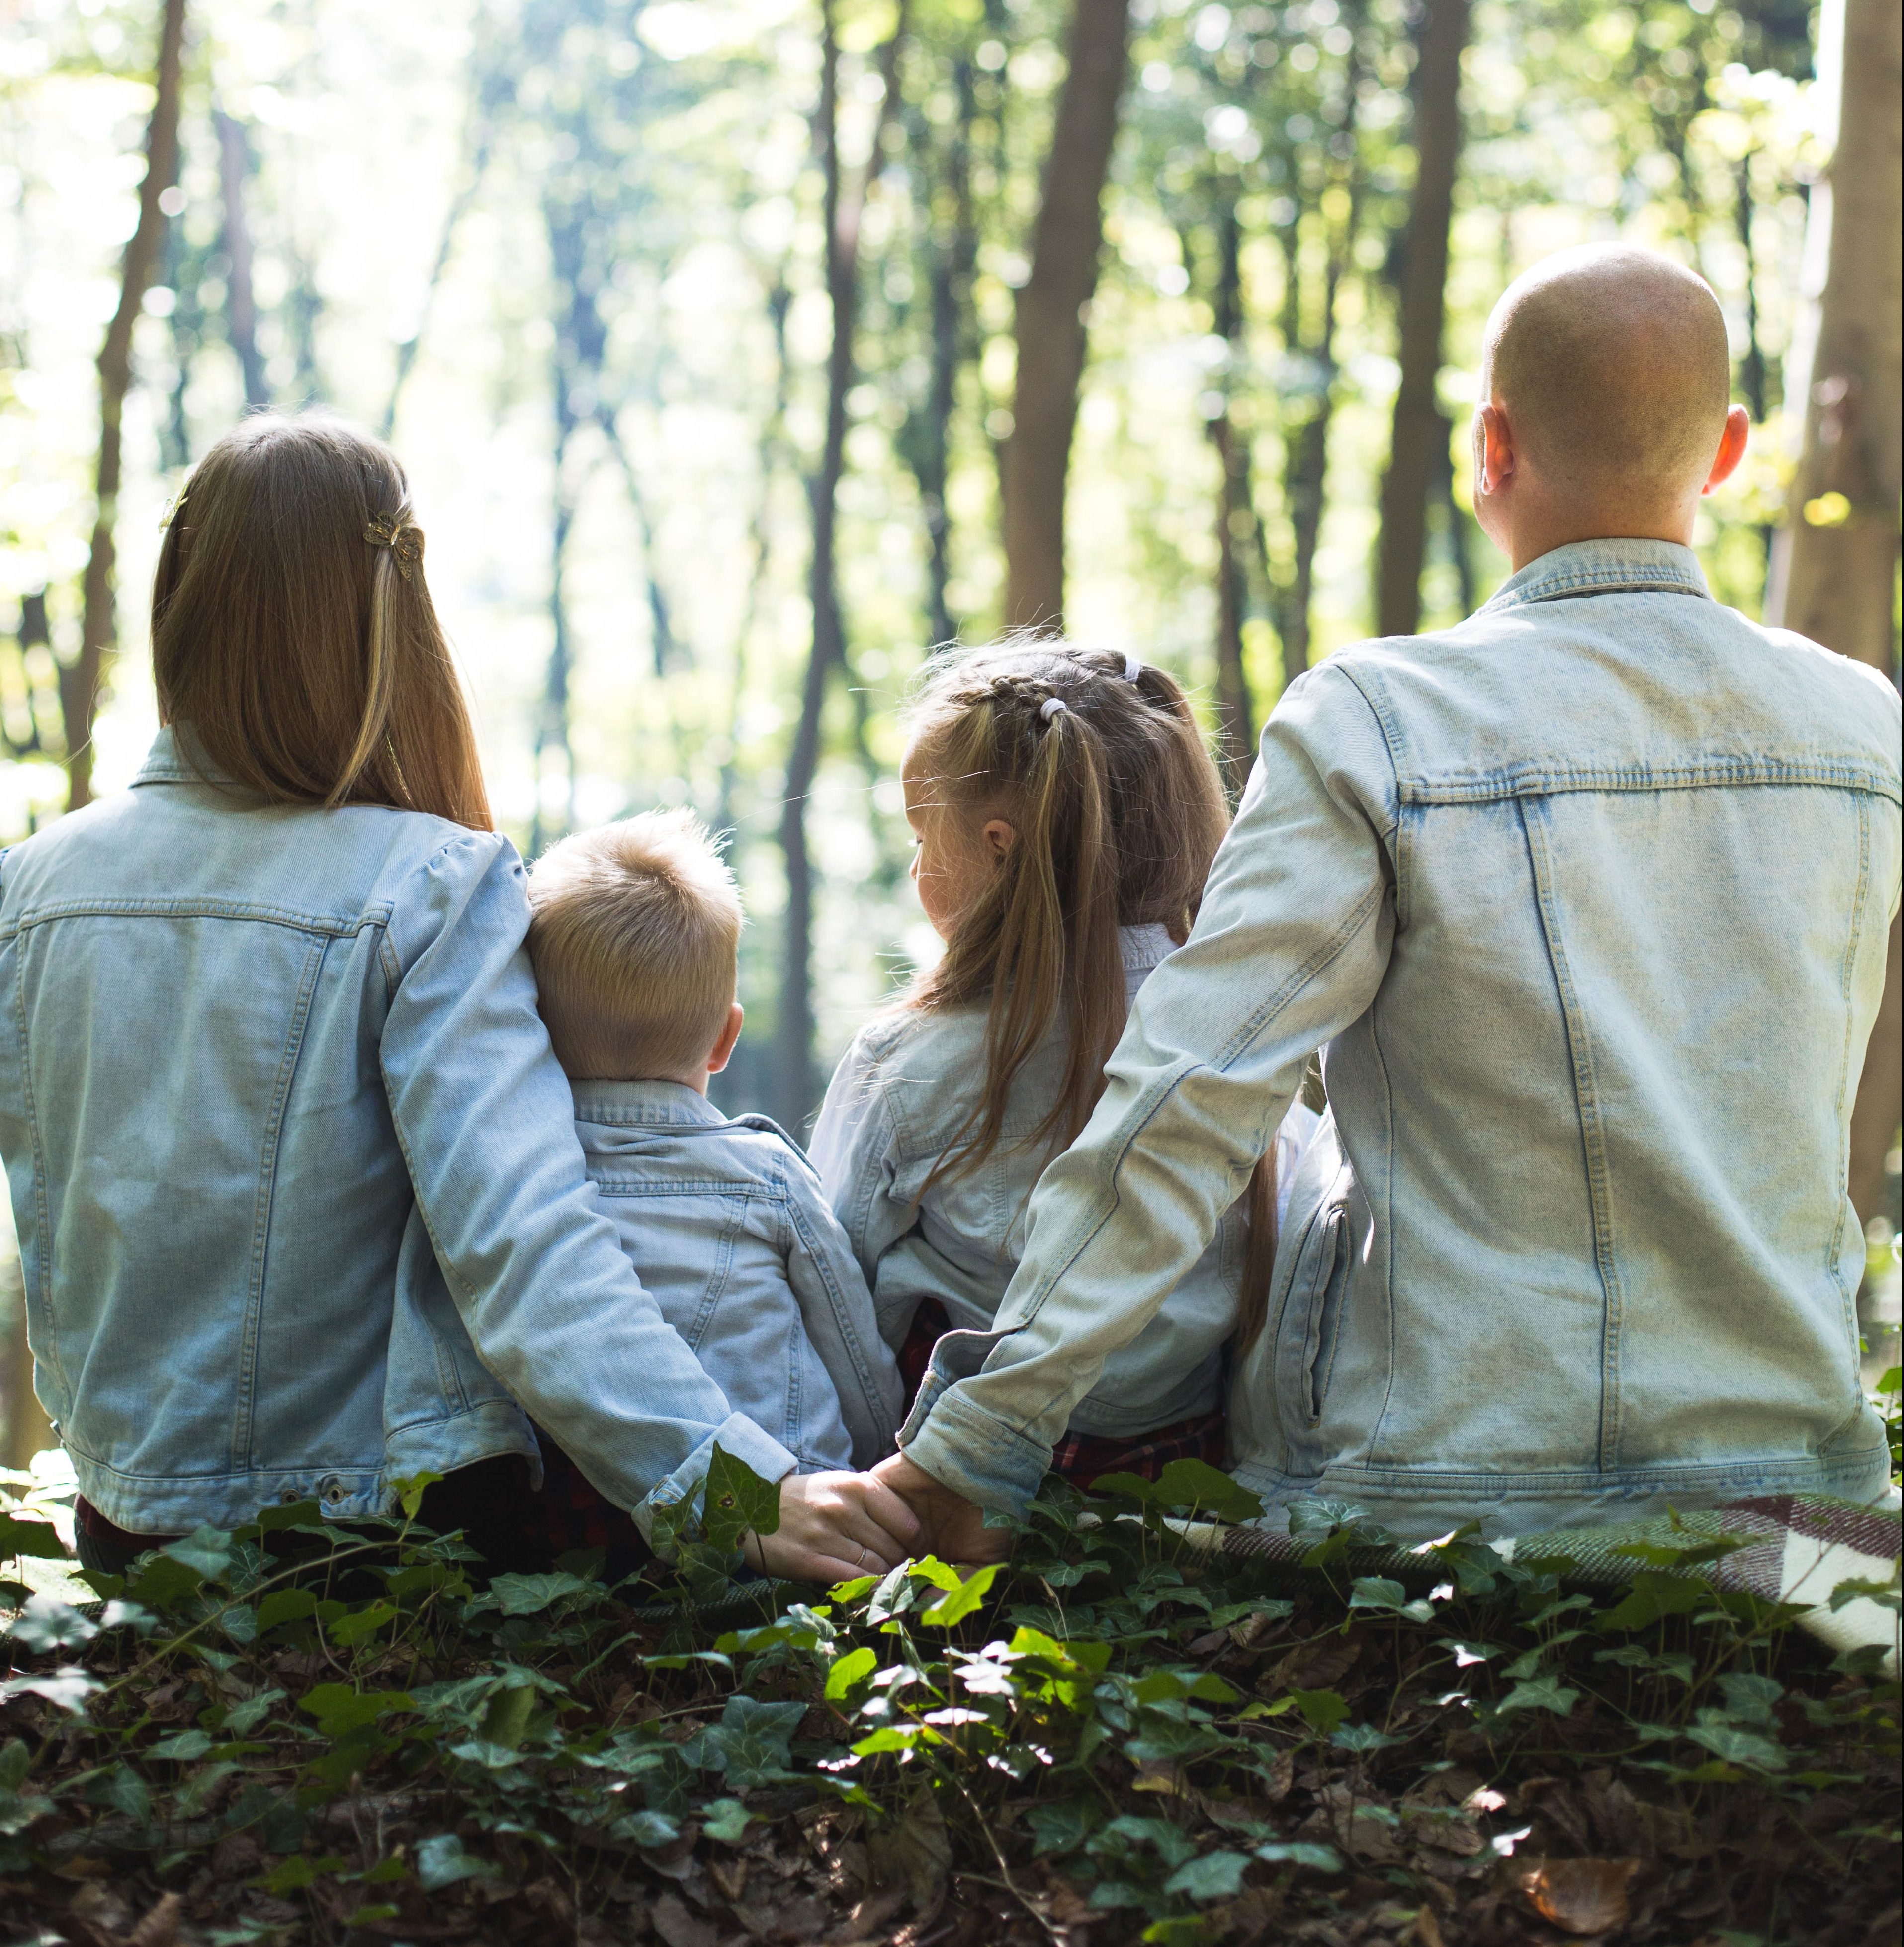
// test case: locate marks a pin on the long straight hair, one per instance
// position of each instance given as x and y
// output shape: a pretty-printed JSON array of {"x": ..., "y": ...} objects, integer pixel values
[{"x": 304, "y": 660}]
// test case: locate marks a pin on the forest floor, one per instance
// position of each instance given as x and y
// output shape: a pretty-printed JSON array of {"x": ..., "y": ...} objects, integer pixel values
[{"x": 1117, "y": 1736}]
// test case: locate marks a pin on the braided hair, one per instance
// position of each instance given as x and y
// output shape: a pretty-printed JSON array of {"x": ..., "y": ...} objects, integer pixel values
[{"x": 1095, "y": 760}]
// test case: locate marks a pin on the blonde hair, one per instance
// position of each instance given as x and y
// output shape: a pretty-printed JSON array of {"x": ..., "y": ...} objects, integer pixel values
[
  {"x": 303, "y": 659},
  {"x": 634, "y": 933}
]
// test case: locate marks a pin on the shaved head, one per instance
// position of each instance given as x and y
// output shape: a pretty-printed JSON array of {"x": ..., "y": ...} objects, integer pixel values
[{"x": 1612, "y": 367}]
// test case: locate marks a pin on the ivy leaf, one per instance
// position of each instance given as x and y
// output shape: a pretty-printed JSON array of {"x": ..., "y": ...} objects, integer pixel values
[
  {"x": 1322, "y": 1710},
  {"x": 650, "y": 1829},
  {"x": 1737, "y": 1746},
  {"x": 66, "y": 1689},
  {"x": 1298, "y": 1852},
  {"x": 950, "y": 1610},
  {"x": 1195, "y": 1486},
  {"x": 353, "y": 1628},
  {"x": 300, "y": 1871},
  {"x": 39, "y": 1539},
  {"x": 1062, "y": 1824},
  {"x": 850, "y": 1672},
  {"x": 1652, "y": 1596},
  {"x": 442, "y": 1862},
  {"x": 1214, "y": 1876},
  {"x": 409, "y": 1492},
  {"x": 1360, "y": 1737},
  {"x": 727, "y": 1820},
  {"x": 735, "y": 1499},
  {"x": 182, "y": 1747},
  {"x": 338, "y": 1708},
  {"x": 1540, "y": 1693},
  {"x": 284, "y": 1605},
  {"x": 530, "y": 1595},
  {"x": 206, "y": 1550},
  {"x": 48, "y": 1623}
]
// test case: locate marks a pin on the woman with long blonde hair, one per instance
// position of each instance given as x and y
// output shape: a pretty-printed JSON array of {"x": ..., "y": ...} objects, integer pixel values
[{"x": 301, "y": 1207}]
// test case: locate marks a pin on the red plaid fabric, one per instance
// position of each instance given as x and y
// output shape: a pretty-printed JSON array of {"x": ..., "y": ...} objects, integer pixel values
[
  {"x": 569, "y": 1516},
  {"x": 1080, "y": 1457}
]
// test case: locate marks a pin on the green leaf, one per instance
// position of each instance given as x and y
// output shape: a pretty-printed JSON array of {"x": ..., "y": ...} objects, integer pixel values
[
  {"x": 1171, "y": 1686},
  {"x": 735, "y": 1499},
  {"x": 727, "y": 1820},
  {"x": 1540, "y": 1693},
  {"x": 530, "y": 1595},
  {"x": 1297, "y": 1853},
  {"x": 20, "y": 1536},
  {"x": 650, "y": 1829},
  {"x": 1322, "y": 1710},
  {"x": 752, "y": 1744},
  {"x": 850, "y": 1671},
  {"x": 1062, "y": 1824},
  {"x": 409, "y": 1492},
  {"x": 1360, "y": 1737},
  {"x": 66, "y": 1689},
  {"x": 353, "y": 1628},
  {"x": 442, "y": 1862},
  {"x": 16, "y": 1760},
  {"x": 507, "y": 1721},
  {"x": 895, "y": 1737},
  {"x": 48, "y": 1623},
  {"x": 1749, "y": 1696},
  {"x": 284, "y": 1605},
  {"x": 950, "y": 1610},
  {"x": 300, "y": 1871},
  {"x": 182, "y": 1747},
  {"x": 1652, "y": 1596},
  {"x": 338, "y": 1708},
  {"x": 1214, "y": 1876},
  {"x": 1196, "y": 1485},
  {"x": 1736, "y": 1746},
  {"x": 206, "y": 1551}
]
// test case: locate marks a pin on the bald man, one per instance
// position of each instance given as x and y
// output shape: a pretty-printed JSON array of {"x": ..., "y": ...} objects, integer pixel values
[{"x": 1585, "y": 901}]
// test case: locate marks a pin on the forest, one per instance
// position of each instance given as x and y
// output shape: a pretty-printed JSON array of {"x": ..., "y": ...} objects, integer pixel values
[{"x": 740, "y": 353}]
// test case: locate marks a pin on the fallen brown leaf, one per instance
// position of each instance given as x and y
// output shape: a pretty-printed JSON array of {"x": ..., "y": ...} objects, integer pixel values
[
  {"x": 1581, "y": 1895},
  {"x": 1316, "y": 1666},
  {"x": 160, "y": 1928},
  {"x": 678, "y": 1926}
]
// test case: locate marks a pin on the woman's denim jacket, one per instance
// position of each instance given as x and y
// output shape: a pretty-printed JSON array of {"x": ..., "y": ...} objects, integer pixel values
[
  {"x": 898, "y": 1100},
  {"x": 1588, "y": 897},
  {"x": 301, "y": 1211},
  {"x": 726, "y": 1223}
]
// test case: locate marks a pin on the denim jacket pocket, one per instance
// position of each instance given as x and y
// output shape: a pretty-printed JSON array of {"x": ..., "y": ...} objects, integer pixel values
[{"x": 1308, "y": 1331}]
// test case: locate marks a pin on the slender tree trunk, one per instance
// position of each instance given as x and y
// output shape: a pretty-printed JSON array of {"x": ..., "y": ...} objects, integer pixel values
[
  {"x": 1051, "y": 334},
  {"x": 240, "y": 307},
  {"x": 1834, "y": 564},
  {"x": 845, "y": 207},
  {"x": 1235, "y": 519},
  {"x": 79, "y": 684},
  {"x": 1421, "y": 429}
]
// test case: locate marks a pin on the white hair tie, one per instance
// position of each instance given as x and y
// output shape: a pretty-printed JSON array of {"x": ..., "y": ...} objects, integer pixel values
[
  {"x": 1133, "y": 668},
  {"x": 1052, "y": 705}
]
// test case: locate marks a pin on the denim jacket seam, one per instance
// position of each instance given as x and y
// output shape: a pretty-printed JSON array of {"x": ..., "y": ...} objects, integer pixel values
[
  {"x": 807, "y": 1236},
  {"x": 1388, "y": 1198},
  {"x": 751, "y": 1189},
  {"x": 1659, "y": 580},
  {"x": 243, "y": 1429},
  {"x": 336, "y": 925},
  {"x": 1542, "y": 780},
  {"x": 1847, "y": 969},
  {"x": 42, "y": 1213},
  {"x": 1592, "y": 1136},
  {"x": 1393, "y": 740}
]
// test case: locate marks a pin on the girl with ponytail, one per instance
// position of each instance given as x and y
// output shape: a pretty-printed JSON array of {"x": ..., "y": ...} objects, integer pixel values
[{"x": 1065, "y": 812}]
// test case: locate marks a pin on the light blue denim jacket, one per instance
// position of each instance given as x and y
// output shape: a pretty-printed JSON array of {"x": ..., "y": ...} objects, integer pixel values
[
  {"x": 1588, "y": 897},
  {"x": 725, "y": 1220},
  {"x": 301, "y": 1207},
  {"x": 902, "y": 1094}
]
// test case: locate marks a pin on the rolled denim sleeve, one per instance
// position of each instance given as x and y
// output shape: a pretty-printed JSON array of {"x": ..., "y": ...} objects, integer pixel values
[
  {"x": 485, "y": 1118},
  {"x": 1289, "y": 949}
]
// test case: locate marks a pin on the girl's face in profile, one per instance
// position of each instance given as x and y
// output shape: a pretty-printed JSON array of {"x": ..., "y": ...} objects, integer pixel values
[{"x": 954, "y": 850}]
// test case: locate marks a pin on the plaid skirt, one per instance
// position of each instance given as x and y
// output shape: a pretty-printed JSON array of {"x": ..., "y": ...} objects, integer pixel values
[{"x": 1081, "y": 1458}]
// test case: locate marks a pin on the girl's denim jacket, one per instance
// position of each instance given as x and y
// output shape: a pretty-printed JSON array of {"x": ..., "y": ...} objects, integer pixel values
[
  {"x": 301, "y": 1207},
  {"x": 898, "y": 1101},
  {"x": 1589, "y": 899}
]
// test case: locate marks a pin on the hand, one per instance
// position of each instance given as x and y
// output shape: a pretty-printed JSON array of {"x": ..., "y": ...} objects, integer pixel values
[
  {"x": 953, "y": 1528},
  {"x": 834, "y": 1526}
]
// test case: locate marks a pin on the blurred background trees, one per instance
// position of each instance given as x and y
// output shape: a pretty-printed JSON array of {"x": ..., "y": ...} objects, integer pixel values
[{"x": 741, "y": 351}]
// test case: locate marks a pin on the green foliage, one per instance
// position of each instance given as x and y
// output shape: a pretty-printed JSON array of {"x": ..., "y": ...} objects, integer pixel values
[{"x": 1116, "y": 1723}]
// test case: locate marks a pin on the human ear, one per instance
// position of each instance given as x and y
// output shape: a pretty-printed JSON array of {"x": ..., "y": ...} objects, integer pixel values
[
  {"x": 723, "y": 1049},
  {"x": 999, "y": 836},
  {"x": 1732, "y": 448},
  {"x": 1494, "y": 451}
]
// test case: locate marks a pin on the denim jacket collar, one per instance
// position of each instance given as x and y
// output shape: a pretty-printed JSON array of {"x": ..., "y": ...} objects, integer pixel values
[
  {"x": 169, "y": 762},
  {"x": 1603, "y": 568},
  {"x": 640, "y": 1105}
]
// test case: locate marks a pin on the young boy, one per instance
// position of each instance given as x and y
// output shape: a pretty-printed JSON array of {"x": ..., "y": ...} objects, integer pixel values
[
  {"x": 1588, "y": 898},
  {"x": 634, "y": 933}
]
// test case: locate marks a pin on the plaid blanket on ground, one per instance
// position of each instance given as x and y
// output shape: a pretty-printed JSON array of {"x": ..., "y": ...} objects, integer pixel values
[{"x": 1798, "y": 1548}]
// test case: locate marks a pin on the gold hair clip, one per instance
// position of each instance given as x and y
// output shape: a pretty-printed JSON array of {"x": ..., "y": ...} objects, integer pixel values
[
  {"x": 404, "y": 538},
  {"x": 172, "y": 512}
]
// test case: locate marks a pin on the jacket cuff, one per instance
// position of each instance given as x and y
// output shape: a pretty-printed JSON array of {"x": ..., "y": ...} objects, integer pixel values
[
  {"x": 737, "y": 1435},
  {"x": 964, "y": 1448}
]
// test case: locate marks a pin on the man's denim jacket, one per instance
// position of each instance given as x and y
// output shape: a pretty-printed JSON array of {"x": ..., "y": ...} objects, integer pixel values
[
  {"x": 900, "y": 1098},
  {"x": 726, "y": 1223},
  {"x": 1588, "y": 897},
  {"x": 301, "y": 1207}
]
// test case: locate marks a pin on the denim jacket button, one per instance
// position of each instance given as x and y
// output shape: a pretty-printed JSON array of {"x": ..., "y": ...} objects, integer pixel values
[{"x": 290, "y": 1497}]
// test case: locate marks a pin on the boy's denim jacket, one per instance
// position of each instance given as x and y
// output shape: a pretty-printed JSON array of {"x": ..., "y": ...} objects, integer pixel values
[
  {"x": 1589, "y": 896},
  {"x": 898, "y": 1101},
  {"x": 301, "y": 1207},
  {"x": 725, "y": 1223}
]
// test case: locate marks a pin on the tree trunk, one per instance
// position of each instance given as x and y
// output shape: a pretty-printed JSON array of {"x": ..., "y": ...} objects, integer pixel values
[
  {"x": 1066, "y": 243},
  {"x": 1834, "y": 564},
  {"x": 844, "y": 207},
  {"x": 79, "y": 684},
  {"x": 1235, "y": 519},
  {"x": 1421, "y": 429},
  {"x": 240, "y": 307}
]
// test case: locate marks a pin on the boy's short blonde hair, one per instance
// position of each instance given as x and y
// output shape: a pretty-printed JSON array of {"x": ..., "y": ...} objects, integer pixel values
[{"x": 635, "y": 932}]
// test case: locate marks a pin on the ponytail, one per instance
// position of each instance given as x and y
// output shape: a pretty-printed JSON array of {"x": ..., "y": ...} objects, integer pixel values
[{"x": 1098, "y": 763}]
